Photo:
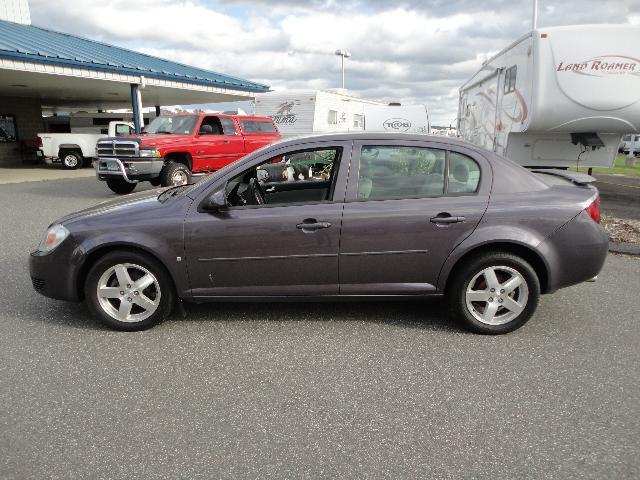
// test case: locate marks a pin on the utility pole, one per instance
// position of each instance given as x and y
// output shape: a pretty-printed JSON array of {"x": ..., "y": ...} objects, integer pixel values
[
  {"x": 343, "y": 54},
  {"x": 534, "y": 20}
]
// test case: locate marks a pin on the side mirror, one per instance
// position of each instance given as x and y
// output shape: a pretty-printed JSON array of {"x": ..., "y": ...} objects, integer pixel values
[{"x": 216, "y": 202}]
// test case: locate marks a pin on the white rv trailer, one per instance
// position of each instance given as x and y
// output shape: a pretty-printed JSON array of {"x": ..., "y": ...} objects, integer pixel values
[
  {"x": 303, "y": 112},
  {"x": 396, "y": 118},
  {"x": 556, "y": 97}
]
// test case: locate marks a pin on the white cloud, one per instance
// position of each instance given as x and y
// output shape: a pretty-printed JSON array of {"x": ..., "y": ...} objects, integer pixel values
[{"x": 410, "y": 51}]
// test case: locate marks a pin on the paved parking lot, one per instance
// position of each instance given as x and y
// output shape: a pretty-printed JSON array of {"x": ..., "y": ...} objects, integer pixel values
[
  {"x": 620, "y": 195},
  {"x": 354, "y": 390}
]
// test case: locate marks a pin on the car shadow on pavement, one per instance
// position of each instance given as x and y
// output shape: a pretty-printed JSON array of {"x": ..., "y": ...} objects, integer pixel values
[{"x": 422, "y": 314}]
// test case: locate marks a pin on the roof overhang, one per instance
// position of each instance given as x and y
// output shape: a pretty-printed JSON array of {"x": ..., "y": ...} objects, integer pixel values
[{"x": 66, "y": 87}]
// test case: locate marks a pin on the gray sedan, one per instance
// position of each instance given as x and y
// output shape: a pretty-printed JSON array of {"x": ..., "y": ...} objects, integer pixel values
[{"x": 335, "y": 217}]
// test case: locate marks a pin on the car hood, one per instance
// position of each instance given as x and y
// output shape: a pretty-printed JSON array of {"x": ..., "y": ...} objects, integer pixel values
[{"x": 126, "y": 205}]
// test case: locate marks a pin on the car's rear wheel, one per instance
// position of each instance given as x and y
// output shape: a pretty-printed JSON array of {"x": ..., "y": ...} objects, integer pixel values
[
  {"x": 494, "y": 293},
  {"x": 129, "y": 291},
  {"x": 121, "y": 187},
  {"x": 174, "y": 174},
  {"x": 71, "y": 159}
]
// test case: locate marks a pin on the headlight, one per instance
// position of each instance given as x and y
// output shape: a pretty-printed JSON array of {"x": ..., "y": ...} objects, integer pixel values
[
  {"x": 54, "y": 237},
  {"x": 149, "y": 152}
]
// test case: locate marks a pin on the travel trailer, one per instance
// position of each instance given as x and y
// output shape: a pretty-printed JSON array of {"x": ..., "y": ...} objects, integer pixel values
[
  {"x": 396, "y": 118},
  {"x": 557, "y": 97},
  {"x": 303, "y": 112}
]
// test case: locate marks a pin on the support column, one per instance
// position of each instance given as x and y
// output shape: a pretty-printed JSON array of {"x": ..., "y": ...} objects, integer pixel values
[
  {"x": 136, "y": 107},
  {"x": 157, "y": 110}
]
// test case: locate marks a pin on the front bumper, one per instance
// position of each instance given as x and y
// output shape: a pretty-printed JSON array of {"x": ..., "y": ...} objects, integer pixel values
[
  {"x": 131, "y": 171},
  {"x": 54, "y": 274}
]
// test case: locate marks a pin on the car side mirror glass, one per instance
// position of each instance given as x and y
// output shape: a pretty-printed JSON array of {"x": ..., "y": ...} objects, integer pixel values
[{"x": 217, "y": 201}]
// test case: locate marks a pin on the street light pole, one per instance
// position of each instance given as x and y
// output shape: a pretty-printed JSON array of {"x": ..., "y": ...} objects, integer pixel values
[{"x": 342, "y": 54}]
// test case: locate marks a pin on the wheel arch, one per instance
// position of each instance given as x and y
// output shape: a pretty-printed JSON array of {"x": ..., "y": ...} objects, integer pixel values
[
  {"x": 526, "y": 252},
  {"x": 70, "y": 147},
  {"x": 180, "y": 157},
  {"x": 99, "y": 252}
]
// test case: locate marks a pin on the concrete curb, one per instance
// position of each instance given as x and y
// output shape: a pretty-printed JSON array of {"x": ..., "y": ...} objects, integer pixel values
[{"x": 626, "y": 248}]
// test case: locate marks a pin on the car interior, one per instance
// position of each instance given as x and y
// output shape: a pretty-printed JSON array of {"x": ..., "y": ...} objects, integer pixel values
[
  {"x": 297, "y": 177},
  {"x": 211, "y": 126},
  {"x": 388, "y": 172}
]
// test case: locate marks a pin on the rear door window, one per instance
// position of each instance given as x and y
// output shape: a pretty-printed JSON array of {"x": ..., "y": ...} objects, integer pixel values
[
  {"x": 400, "y": 172},
  {"x": 258, "y": 126},
  {"x": 464, "y": 174},
  {"x": 228, "y": 126}
]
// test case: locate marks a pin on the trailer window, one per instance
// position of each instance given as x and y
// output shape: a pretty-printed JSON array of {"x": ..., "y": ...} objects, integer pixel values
[
  {"x": 333, "y": 117},
  {"x": 510, "y": 79},
  {"x": 358, "y": 121}
]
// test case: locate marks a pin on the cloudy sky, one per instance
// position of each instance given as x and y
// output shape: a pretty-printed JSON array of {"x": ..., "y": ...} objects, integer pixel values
[{"x": 410, "y": 51}]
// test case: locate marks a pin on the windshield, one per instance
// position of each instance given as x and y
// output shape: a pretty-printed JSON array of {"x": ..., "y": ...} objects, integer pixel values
[{"x": 173, "y": 124}]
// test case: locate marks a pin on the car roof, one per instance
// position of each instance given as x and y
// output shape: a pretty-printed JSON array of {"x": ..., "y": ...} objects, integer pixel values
[{"x": 381, "y": 136}]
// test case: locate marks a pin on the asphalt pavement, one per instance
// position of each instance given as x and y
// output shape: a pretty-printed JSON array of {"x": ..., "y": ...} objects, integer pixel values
[
  {"x": 331, "y": 390},
  {"x": 620, "y": 195}
]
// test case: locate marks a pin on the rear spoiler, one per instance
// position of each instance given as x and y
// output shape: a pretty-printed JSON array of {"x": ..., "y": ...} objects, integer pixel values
[{"x": 574, "y": 177}]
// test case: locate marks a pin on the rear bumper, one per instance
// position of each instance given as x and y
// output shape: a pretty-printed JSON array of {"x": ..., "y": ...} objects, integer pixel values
[
  {"x": 131, "y": 171},
  {"x": 575, "y": 253}
]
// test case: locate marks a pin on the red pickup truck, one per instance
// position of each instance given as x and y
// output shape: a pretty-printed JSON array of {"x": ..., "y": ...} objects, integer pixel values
[{"x": 173, "y": 148}]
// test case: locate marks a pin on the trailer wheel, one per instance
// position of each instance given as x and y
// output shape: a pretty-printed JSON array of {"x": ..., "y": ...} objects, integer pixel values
[
  {"x": 119, "y": 186},
  {"x": 71, "y": 159}
]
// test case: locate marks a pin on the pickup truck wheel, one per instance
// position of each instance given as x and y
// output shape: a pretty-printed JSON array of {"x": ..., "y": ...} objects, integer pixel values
[
  {"x": 71, "y": 159},
  {"x": 174, "y": 174},
  {"x": 121, "y": 187}
]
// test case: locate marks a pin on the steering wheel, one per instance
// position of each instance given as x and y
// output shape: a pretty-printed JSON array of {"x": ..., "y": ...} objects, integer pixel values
[{"x": 256, "y": 191}]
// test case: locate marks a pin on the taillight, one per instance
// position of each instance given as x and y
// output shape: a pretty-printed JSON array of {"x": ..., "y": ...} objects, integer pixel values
[{"x": 594, "y": 209}]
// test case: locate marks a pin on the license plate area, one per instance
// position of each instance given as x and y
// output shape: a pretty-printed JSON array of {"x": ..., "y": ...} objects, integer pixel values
[{"x": 109, "y": 166}]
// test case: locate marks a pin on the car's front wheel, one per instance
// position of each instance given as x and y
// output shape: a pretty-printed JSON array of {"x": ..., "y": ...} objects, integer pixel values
[
  {"x": 174, "y": 174},
  {"x": 129, "y": 291},
  {"x": 494, "y": 293}
]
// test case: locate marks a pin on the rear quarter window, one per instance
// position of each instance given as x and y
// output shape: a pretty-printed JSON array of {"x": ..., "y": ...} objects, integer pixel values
[{"x": 258, "y": 126}]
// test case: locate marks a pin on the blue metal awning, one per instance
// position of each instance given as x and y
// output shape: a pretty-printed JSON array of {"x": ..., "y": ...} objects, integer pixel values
[{"x": 39, "y": 45}]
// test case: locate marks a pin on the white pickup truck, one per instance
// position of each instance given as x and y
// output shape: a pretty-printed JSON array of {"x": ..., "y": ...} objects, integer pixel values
[{"x": 74, "y": 149}]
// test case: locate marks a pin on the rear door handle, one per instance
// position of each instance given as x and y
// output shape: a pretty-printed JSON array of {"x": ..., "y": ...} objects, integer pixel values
[
  {"x": 311, "y": 225},
  {"x": 445, "y": 219}
]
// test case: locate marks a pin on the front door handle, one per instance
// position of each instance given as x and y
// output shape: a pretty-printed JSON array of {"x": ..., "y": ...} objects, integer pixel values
[
  {"x": 311, "y": 225},
  {"x": 445, "y": 219}
]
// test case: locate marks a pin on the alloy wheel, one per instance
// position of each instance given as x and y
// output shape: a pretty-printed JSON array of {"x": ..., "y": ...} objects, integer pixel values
[
  {"x": 128, "y": 292},
  {"x": 497, "y": 295}
]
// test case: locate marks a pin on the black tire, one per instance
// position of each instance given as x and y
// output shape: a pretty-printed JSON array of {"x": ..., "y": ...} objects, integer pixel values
[
  {"x": 505, "y": 264},
  {"x": 120, "y": 186},
  {"x": 161, "y": 291},
  {"x": 155, "y": 181},
  {"x": 171, "y": 171},
  {"x": 71, "y": 159}
]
